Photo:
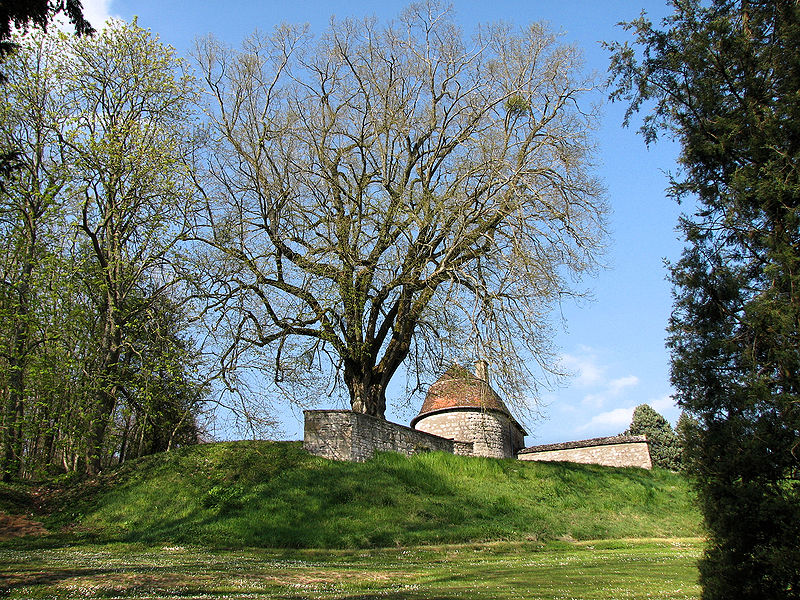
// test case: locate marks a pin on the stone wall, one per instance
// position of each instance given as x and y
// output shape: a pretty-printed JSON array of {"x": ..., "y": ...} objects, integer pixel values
[
  {"x": 619, "y": 451},
  {"x": 492, "y": 434},
  {"x": 346, "y": 435}
]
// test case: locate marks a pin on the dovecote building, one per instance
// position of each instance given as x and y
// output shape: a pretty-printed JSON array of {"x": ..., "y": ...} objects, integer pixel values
[{"x": 463, "y": 406}]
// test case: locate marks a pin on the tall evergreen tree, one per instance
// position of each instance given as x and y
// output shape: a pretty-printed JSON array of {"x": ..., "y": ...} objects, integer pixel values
[
  {"x": 664, "y": 449},
  {"x": 723, "y": 78}
]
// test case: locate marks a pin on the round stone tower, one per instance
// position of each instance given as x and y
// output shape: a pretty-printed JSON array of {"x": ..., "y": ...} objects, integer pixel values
[{"x": 464, "y": 407}]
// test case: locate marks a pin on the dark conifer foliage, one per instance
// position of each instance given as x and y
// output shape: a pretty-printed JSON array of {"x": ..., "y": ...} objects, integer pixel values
[
  {"x": 723, "y": 78},
  {"x": 24, "y": 13},
  {"x": 21, "y": 14},
  {"x": 664, "y": 450}
]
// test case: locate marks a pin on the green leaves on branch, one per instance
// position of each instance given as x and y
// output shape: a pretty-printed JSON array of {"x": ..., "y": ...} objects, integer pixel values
[{"x": 95, "y": 217}]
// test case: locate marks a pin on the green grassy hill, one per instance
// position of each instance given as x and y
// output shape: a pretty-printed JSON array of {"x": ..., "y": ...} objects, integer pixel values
[{"x": 273, "y": 494}]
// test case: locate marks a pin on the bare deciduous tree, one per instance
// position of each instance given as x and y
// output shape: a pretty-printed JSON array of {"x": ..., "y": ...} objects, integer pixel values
[{"x": 391, "y": 194}]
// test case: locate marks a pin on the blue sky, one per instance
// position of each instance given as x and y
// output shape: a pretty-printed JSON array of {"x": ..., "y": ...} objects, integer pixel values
[{"x": 614, "y": 345}]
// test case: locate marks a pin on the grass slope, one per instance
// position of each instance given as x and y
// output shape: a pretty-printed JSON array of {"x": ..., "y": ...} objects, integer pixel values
[{"x": 274, "y": 494}]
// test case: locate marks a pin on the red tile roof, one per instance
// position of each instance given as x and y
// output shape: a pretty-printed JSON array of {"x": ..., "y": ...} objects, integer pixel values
[{"x": 458, "y": 388}]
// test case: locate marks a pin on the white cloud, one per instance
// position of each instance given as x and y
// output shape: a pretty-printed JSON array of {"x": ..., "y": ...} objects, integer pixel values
[
  {"x": 97, "y": 12},
  {"x": 603, "y": 401},
  {"x": 588, "y": 372},
  {"x": 584, "y": 367},
  {"x": 616, "y": 386},
  {"x": 663, "y": 404},
  {"x": 596, "y": 400},
  {"x": 611, "y": 389},
  {"x": 617, "y": 419}
]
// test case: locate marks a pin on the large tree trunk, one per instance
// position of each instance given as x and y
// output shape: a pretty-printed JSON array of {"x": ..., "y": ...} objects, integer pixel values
[
  {"x": 367, "y": 383},
  {"x": 367, "y": 391},
  {"x": 97, "y": 434},
  {"x": 106, "y": 398},
  {"x": 368, "y": 399},
  {"x": 123, "y": 447}
]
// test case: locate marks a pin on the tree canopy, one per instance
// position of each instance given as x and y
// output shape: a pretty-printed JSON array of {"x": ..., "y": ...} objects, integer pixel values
[
  {"x": 96, "y": 364},
  {"x": 395, "y": 195},
  {"x": 722, "y": 77}
]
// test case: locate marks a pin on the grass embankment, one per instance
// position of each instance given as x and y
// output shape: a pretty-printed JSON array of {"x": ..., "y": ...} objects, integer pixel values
[{"x": 273, "y": 494}]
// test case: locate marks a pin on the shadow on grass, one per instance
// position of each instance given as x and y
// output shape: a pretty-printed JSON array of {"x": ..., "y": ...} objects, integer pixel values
[
  {"x": 102, "y": 583},
  {"x": 395, "y": 596},
  {"x": 9, "y": 582}
]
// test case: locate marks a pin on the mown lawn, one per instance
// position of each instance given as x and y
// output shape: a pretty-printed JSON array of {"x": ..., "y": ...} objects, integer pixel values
[{"x": 610, "y": 569}]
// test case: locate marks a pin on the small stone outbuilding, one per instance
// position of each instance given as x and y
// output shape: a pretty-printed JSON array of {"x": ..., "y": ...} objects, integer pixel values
[{"x": 464, "y": 407}]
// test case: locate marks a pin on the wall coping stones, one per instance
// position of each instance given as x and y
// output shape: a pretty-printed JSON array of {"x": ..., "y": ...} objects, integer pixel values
[
  {"x": 601, "y": 441},
  {"x": 377, "y": 420}
]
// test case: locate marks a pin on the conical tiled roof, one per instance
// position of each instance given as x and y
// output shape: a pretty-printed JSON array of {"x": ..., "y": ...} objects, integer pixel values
[{"x": 458, "y": 388}]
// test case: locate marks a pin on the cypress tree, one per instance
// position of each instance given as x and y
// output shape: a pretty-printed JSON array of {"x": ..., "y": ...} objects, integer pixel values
[
  {"x": 722, "y": 77},
  {"x": 664, "y": 450}
]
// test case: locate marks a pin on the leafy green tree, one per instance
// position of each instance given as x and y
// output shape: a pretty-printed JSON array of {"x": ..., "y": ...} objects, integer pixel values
[
  {"x": 395, "y": 195},
  {"x": 161, "y": 382},
  {"x": 129, "y": 148},
  {"x": 664, "y": 448},
  {"x": 93, "y": 344},
  {"x": 722, "y": 77},
  {"x": 31, "y": 201}
]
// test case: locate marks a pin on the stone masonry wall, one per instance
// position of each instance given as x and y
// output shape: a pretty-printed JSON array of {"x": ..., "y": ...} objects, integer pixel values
[
  {"x": 620, "y": 451},
  {"x": 329, "y": 433},
  {"x": 491, "y": 434},
  {"x": 346, "y": 435}
]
